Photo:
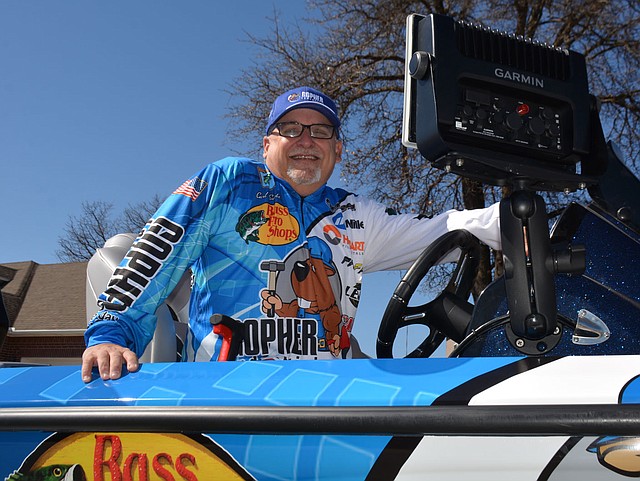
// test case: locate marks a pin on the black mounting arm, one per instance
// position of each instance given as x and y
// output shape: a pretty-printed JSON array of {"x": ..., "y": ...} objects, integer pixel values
[{"x": 530, "y": 264}]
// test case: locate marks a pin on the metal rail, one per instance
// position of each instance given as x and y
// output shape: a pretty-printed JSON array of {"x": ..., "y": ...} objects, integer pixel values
[{"x": 529, "y": 420}]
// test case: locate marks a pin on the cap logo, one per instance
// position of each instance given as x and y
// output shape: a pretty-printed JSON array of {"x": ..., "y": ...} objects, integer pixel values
[
  {"x": 308, "y": 96},
  {"x": 312, "y": 97}
]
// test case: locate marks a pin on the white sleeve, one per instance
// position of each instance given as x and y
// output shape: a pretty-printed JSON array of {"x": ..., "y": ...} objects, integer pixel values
[{"x": 395, "y": 241}]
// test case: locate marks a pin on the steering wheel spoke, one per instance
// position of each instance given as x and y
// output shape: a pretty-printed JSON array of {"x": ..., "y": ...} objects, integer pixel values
[{"x": 449, "y": 313}]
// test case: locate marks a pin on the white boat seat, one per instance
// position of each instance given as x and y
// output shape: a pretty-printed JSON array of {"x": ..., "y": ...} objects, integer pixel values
[{"x": 174, "y": 312}]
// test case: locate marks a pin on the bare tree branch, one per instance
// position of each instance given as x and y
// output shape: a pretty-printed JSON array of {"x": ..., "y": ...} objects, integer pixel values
[{"x": 89, "y": 231}]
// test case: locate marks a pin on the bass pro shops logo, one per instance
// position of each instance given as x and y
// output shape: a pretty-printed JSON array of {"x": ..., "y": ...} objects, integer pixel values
[
  {"x": 268, "y": 224},
  {"x": 129, "y": 456}
]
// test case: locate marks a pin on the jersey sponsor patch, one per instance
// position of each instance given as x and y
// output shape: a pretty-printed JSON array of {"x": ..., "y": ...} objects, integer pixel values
[
  {"x": 192, "y": 188},
  {"x": 281, "y": 338},
  {"x": 268, "y": 224},
  {"x": 144, "y": 259}
]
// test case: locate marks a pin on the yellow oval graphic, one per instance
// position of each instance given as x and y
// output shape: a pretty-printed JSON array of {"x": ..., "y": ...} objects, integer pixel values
[
  {"x": 268, "y": 224},
  {"x": 139, "y": 456}
]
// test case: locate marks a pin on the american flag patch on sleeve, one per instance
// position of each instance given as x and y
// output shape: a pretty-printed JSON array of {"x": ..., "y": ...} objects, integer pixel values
[{"x": 192, "y": 188}]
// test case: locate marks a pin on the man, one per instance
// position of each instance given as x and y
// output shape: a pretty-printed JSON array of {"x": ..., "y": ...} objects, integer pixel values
[{"x": 269, "y": 244}]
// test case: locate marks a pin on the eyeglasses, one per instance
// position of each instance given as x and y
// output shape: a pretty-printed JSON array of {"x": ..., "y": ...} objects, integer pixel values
[{"x": 295, "y": 129}]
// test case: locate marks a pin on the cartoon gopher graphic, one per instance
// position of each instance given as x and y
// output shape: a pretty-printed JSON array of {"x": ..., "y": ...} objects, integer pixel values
[{"x": 315, "y": 299}]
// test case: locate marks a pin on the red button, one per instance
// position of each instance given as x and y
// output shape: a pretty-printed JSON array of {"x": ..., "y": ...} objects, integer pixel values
[{"x": 522, "y": 109}]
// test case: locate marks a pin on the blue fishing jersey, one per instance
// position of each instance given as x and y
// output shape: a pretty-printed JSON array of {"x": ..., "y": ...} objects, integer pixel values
[{"x": 247, "y": 235}]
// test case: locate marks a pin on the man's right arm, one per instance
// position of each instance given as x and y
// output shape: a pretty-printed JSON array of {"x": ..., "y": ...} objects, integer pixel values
[{"x": 171, "y": 241}]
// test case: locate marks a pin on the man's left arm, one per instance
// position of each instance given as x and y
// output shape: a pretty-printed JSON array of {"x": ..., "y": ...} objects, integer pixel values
[{"x": 395, "y": 241}]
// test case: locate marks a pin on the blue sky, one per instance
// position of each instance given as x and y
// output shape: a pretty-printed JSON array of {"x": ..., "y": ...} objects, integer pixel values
[
  {"x": 117, "y": 101},
  {"x": 113, "y": 101}
]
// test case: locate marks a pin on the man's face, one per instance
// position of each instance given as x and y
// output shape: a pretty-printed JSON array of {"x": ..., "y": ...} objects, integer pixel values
[{"x": 306, "y": 163}]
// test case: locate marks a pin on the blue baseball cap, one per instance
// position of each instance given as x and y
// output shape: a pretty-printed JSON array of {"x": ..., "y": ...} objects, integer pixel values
[{"x": 304, "y": 98}]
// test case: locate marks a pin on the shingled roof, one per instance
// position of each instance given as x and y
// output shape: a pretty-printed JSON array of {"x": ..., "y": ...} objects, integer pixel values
[{"x": 45, "y": 297}]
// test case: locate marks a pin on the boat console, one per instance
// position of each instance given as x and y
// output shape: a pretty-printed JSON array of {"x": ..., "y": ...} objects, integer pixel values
[{"x": 511, "y": 112}]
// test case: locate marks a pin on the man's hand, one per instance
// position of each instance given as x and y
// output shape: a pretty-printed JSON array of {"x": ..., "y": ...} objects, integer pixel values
[{"x": 109, "y": 359}]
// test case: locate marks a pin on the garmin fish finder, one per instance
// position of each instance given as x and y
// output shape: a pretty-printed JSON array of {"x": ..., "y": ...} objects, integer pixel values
[
  {"x": 507, "y": 111},
  {"x": 495, "y": 107}
]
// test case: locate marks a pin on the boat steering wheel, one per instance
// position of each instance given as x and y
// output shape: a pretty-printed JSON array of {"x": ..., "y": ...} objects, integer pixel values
[{"x": 447, "y": 315}]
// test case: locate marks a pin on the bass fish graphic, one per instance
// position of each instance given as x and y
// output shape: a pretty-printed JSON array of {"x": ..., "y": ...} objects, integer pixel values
[
  {"x": 249, "y": 224},
  {"x": 55, "y": 472}
]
